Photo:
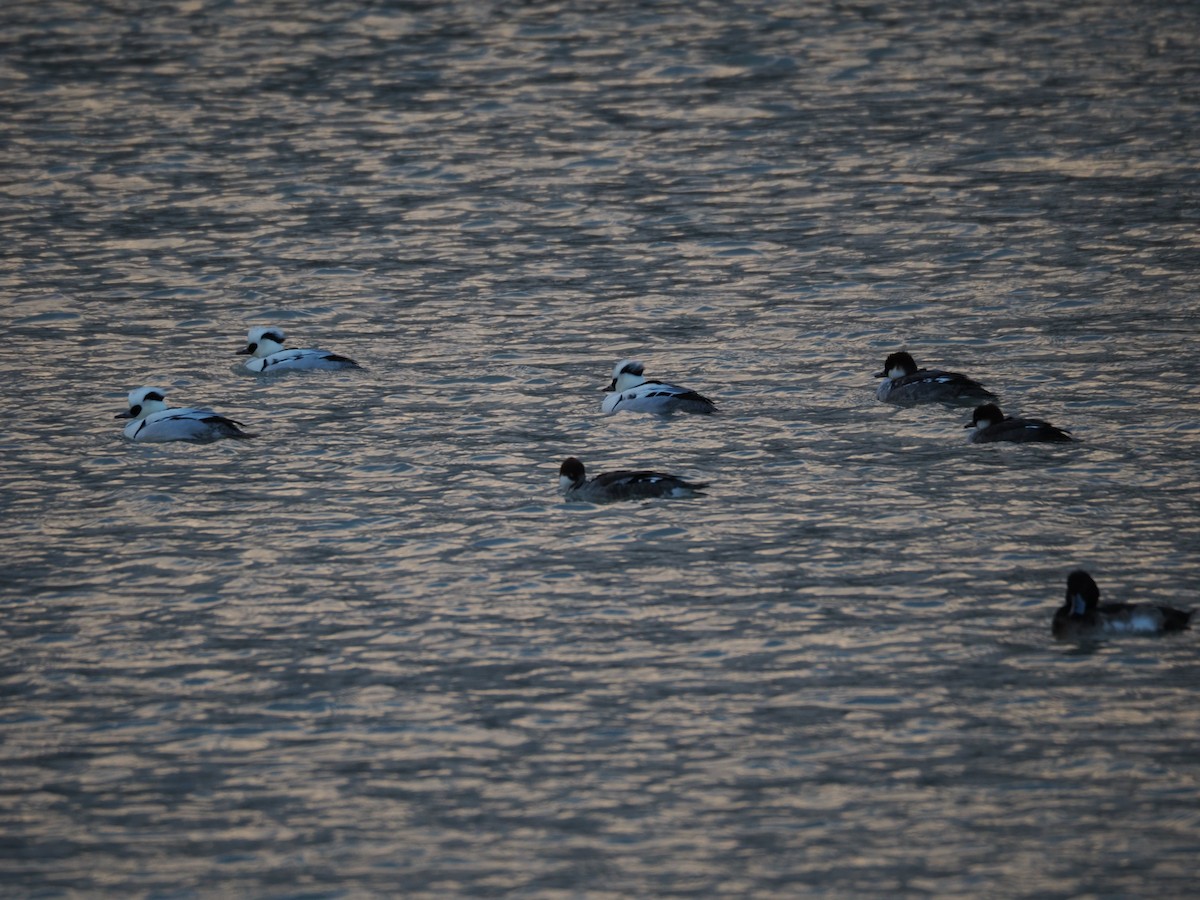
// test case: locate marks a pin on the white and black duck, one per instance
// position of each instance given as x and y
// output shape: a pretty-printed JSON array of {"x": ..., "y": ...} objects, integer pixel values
[
  {"x": 154, "y": 421},
  {"x": 632, "y": 392},
  {"x": 268, "y": 354}
]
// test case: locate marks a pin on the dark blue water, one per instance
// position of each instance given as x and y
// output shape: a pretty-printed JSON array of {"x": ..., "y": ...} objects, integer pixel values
[{"x": 372, "y": 652}]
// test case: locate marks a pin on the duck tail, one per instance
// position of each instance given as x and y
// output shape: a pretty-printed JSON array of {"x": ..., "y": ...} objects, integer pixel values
[{"x": 1176, "y": 619}]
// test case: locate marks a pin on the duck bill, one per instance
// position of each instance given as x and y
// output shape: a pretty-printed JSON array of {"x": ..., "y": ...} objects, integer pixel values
[
  {"x": 125, "y": 415},
  {"x": 245, "y": 351},
  {"x": 612, "y": 386}
]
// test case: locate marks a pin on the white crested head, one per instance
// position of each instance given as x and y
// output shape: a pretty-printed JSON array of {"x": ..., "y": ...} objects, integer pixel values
[
  {"x": 143, "y": 401},
  {"x": 263, "y": 341},
  {"x": 626, "y": 374}
]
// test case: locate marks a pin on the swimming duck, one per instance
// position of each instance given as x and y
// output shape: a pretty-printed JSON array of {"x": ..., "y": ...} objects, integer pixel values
[
  {"x": 153, "y": 420},
  {"x": 630, "y": 391},
  {"x": 907, "y": 385},
  {"x": 265, "y": 345},
  {"x": 573, "y": 483},
  {"x": 992, "y": 425},
  {"x": 1082, "y": 615}
]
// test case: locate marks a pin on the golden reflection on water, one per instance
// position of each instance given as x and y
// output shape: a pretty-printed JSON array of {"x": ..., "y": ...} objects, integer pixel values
[{"x": 373, "y": 652}]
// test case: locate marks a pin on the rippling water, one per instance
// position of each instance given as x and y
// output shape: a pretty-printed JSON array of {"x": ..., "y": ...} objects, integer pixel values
[{"x": 372, "y": 652}]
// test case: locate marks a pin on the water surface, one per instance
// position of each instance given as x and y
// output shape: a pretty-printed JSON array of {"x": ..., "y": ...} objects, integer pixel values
[{"x": 371, "y": 652}]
